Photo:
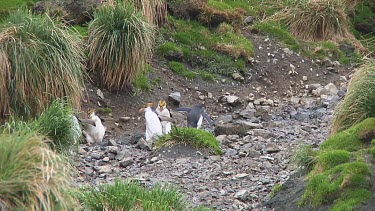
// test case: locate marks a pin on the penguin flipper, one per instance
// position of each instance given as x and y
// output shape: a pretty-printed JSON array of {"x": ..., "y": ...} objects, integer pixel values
[
  {"x": 184, "y": 109},
  {"x": 168, "y": 119},
  {"x": 207, "y": 118},
  {"x": 87, "y": 121}
]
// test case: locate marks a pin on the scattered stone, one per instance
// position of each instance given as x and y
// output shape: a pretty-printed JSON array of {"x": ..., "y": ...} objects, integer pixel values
[
  {"x": 237, "y": 77},
  {"x": 175, "y": 98},
  {"x": 126, "y": 162},
  {"x": 111, "y": 142},
  {"x": 124, "y": 119},
  {"x": 242, "y": 195},
  {"x": 104, "y": 169}
]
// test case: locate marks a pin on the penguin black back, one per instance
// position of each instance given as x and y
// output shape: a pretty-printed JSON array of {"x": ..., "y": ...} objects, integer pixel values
[{"x": 194, "y": 115}]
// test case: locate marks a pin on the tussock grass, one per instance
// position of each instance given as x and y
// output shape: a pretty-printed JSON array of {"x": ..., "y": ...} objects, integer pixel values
[
  {"x": 317, "y": 20},
  {"x": 305, "y": 157},
  {"x": 32, "y": 176},
  {"x": 40, "y": 61},
  {"x": 195, "y": 137},
  {"x": 120, "y": 44},
  {"x": 359, "y": 101},
  {"x": 131, "y": 196}
]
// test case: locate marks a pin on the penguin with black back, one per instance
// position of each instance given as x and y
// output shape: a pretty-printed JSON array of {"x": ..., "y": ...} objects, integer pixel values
[{"x": 195, "y": 116}]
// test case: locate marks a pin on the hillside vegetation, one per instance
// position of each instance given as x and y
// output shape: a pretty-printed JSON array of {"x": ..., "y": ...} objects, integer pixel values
[{"x": 45, "y": 61}]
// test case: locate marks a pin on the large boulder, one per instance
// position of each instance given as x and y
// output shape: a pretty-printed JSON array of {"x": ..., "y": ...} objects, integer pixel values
[{"x": 72, "y": 11}]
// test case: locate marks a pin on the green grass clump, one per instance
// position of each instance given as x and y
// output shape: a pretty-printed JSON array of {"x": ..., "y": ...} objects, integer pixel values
[
  {"x": 81, "y": 30},
  {"x": 32, "y": 176},
  {"x": 168, "y": 48},
  {"x": 349, "y": 138},
  {"x": 40, "y": 60},
  {"x": 359, "y": 102},
  {"x": 57, "y": 123},
  {"x": 324, "y": 49},
  {"x": 131, "y": 196},
  {"x": 141, "y": 83},
  {"x": 119, "y": 44},
  {"x": 305, "y": 157},
  {"x": 350, "y": 199},
  {"x": 328, "y": 186},
  {"x": 207, "y": 76},
  {"x": 275, "y": 189},
  {"x": 332, "y": 158},
  {"x": 279, "y": 32},
  {"x": 181, "y": 70},
  {"x": 195, "y": 137}
]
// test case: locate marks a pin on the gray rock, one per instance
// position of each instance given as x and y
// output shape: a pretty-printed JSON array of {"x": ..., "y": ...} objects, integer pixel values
[
  {"x": 111, "y": 142},
  {"x": 126, "y": 162},
  {"x": 143, "y": 144},
  {"x": 237, "y": 77},
  {"x": 113, "y": 149},
  {"x": 175, "y": 98},
  {"x": 231, "y": 152},
  {"x": 331, "y": 89},
  {"x": 248, "y": 113},
  {"x": 122, "y": 153},
  {"x": 248, "y": 19},
  {"x": 96, "y": 155},
  {"x": 238, "y": 128},
  {"x": 272, "y": 148},
  {"x": 242, "y": 195},
  {"x": 223, "y": 119},
  {"x": 134, "y": 139},
  {"x": 124, "y": 119},
  {"x": 104, "y": 169}
]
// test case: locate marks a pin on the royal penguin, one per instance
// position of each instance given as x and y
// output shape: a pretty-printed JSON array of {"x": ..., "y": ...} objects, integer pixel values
[
  {"x": 195, "y": 116},
  {"x": 163, "y": 113},
  {"x": 93, "y": 129},
  {"x": 153, "y": 124}
]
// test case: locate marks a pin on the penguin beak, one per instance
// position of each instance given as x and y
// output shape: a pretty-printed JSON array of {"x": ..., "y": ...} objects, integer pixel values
[{"x": 141, "y": 110}]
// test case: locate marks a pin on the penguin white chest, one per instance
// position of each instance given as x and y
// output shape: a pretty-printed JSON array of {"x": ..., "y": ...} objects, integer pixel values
[
  {"x": 153, "y": 125},
  {"x": 200, "y": 121}
]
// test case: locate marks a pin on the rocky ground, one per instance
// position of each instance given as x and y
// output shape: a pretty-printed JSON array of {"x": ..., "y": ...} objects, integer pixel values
[{"x": 283, "y": 101}]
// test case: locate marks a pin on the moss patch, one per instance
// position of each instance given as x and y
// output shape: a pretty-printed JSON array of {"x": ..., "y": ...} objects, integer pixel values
[
  {"x": 330, "y": 159},
  {"x": 330, "y": 185},
  {"x": 215, "y": 51},
  {"x": 349, "y": 139},
  {"x": 195, "y": 137}
]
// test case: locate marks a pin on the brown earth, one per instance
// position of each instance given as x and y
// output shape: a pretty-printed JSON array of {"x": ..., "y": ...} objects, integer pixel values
[{"x": 263, "y": 79}]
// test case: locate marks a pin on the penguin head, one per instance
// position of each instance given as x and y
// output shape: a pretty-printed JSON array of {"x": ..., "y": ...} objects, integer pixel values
[
  {"x": 162, "y": 105},
  {"x": 91, "y": 112},
  {"x": 148, "y": 105}
]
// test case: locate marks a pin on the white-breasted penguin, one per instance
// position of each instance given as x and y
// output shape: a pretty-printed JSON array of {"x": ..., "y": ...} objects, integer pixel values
[
  {"x": 153, "y": 124},
  {"x": 195, "y": 116},
  {"x": 163, "y": 112},
  {"x": 93, "y": 129}
]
